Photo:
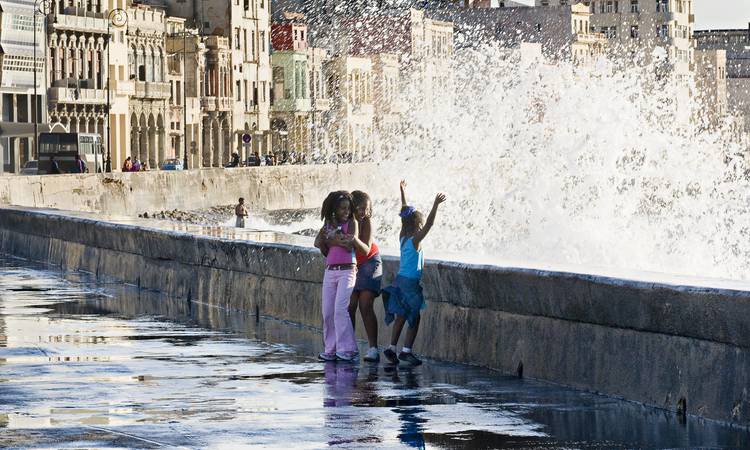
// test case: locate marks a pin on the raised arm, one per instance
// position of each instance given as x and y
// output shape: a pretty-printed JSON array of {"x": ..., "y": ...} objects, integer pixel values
[
  {"x": 422, "y": 233},
  {"x": 402, "y": 186}
]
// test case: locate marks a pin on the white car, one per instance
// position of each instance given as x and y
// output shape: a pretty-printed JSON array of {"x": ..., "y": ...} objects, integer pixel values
[{"x": 31, "y": 168}]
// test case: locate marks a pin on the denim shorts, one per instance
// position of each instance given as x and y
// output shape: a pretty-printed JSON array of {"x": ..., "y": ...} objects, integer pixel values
[{"x": 370, "y": 275}]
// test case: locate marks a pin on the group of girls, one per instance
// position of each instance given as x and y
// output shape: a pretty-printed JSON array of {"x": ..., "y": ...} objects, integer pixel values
[{"x": 354, "y": 271}]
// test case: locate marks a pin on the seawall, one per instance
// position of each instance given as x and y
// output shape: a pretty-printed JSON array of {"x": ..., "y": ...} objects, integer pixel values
[
  {"x": 668, "y": 346},
  {"x": 276, "y": 187}
]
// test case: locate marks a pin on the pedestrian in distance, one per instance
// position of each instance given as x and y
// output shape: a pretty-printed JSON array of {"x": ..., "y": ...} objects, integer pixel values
[
  {"x": 337, "y": 240},
  {"x": 54, "y": 167},
  {"x": 128, "y": 165},
  {"x": 369, "y": 275},
  {"x": 404, "y": 300},
  {"x": 136, "y": 166},
  {"x": 79, "y": 166},
  {"x": 240, "y": 211}
]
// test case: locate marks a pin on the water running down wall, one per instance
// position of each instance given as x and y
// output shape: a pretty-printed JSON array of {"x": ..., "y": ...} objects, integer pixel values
[{"x": 662, "y": 345}]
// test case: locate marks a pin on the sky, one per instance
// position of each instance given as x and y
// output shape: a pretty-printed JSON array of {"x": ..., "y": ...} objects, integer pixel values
[{"x": 711, "y": 14}]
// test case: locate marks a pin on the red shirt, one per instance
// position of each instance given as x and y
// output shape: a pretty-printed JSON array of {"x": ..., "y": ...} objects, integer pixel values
[{"x": 362, "y": 258}]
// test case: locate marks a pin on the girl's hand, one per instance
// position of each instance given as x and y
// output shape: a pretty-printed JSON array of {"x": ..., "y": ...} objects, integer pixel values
[
  {"x": 440, "y": 198},
  {"x": 402, "y": 185}
]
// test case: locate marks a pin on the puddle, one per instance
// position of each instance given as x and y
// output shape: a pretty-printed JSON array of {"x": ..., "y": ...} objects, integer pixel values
[{"x": 89, "y": 365}]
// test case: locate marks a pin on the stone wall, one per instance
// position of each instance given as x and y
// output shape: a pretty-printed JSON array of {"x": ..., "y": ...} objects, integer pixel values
[
  {"x": 277, "y": 187},
  {"x": 657, "y": 344}
]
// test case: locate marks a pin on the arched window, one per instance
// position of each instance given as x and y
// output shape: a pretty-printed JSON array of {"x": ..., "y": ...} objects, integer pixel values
[
  {"x": 133, "y": 68},
  {"x": 140, "y": 62},
  {"x": 158, "y": 62}
]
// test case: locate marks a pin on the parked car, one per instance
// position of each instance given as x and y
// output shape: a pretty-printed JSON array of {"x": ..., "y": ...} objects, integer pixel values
[
  {"x": 31, "y": 168},
  {"x": 172, "y": 164}
]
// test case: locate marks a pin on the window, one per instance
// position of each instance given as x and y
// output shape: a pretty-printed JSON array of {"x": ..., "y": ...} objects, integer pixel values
[
  {"x": 634, "y": 7},
  {"x": 237, "y": 38},
  {"x": 610, "y": 32},
  {"x": 239, "y": 91},
  {"x": 634, "y": 32},
  {"x": 611, "y": 6},
  {"x": 262, "y": 41},
  {"x": 662, "y": 31},
  {"x": 662, "y": 5}
]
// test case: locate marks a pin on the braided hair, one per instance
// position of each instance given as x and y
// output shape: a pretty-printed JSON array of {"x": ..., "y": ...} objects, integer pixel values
[{"x": 328, "y": 210}]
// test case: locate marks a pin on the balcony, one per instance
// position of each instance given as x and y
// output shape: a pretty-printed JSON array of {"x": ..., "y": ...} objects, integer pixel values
[
  {"x": 123, "y": 87},
  {"x": 224, "y": 103},
  {"x": 591, "y": 38},
  {"x": 292, "y": 104},
  {"x": 77, "y": 96},
  {"x": 152, "y": 90},
  {"x": 81, "y": 23},
  {"x": 322, "y": 104},
  {"x": 208, "y": 104}
]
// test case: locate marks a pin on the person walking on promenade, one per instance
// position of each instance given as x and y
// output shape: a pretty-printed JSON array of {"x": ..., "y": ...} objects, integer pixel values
[
  {"x": 369, "y": 275},
  {"x": 404, "y": 300},
  {"x": 54, "y": 167},
  {"x": 337, "y": 240},
  {"x": 240, "y": 211},
  {"x": 79, "y": 166}
]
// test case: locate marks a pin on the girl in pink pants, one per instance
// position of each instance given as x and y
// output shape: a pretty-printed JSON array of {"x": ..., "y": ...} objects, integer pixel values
[{"x": 337, "y": 240}]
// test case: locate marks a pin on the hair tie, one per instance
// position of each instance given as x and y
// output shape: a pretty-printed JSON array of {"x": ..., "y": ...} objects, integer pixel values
[{"x": 406, "y": 212}]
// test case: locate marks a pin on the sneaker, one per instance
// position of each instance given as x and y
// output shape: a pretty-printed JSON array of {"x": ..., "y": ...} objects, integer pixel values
[
  {"x": 373, "y": 355},
  {"x": 347, "y": 356},
  {"x": 390, "y": 355},
  {"x": 327, "y": 356},
  {"x": 409, "y": 358}
]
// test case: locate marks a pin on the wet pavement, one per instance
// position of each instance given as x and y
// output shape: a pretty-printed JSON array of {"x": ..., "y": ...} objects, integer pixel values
[{"x": 93, "y": 364}]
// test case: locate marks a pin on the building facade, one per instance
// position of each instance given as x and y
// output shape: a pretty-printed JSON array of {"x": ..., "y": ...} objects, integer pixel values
[
  {"x": 635, "y": 28},
  {"x": 300, "y": 105},
  {"x": 18, "y": 103},
  {"x": 350, "y": 128},
  {"x": 244, "y": 26}
]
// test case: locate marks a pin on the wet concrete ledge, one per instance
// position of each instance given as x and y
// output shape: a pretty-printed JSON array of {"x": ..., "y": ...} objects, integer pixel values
[{"x": 657, "y": 344}]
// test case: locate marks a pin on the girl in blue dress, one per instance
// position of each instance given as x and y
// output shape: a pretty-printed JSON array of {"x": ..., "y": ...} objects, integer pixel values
[{"x": 404, "y": 300}]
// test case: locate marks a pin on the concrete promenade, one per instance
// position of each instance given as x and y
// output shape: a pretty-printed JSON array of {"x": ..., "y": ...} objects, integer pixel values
[{"x": 676, "y": 347}]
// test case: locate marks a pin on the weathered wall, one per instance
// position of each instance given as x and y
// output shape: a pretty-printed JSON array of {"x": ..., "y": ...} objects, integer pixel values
[
  {"x": 278, "y": 187},
  {"x": 641, "y": 341}
]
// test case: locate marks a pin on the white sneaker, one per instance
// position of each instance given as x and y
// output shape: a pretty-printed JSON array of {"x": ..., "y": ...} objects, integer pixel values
[{"x": 373, "y": 355}]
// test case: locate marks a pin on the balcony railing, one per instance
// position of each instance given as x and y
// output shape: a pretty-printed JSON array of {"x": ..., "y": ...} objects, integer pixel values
[
  {"x": 208, "y": 103},
  {"x": 80, "y": 23},
  {"x": 77, "y": 96},
  {"x": 591, "y": 38},
  {"x": 152, "y": 89}
]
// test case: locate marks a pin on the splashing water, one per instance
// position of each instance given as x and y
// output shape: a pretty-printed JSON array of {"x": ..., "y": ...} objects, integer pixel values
[{"x": 589, "y": 166}]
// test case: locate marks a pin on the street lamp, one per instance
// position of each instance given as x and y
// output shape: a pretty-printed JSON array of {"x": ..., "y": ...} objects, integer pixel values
[
  {"x": 119, "y": 18},
  {"x": 40, "y": 7}
]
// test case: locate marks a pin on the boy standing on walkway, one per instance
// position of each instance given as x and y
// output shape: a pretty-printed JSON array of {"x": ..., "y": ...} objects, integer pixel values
[{"x": 241, "y": 212}]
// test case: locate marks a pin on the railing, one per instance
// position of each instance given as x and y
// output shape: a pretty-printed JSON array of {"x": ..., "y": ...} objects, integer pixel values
[
  {"x": 152, "y": 89},
  {"x": 590, "y": 37},
  {"x": 208, "y": 103},
  {"x": 224, "y": 103},
  {"x": 77, "y": 96}
]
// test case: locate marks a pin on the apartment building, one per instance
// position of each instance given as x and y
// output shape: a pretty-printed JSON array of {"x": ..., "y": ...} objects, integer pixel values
[
  {"x": 299, "y": 104},
  {"x": 77, "y": 65},
  {"x": 563, "y": 32},
  {"x": 245, "y": 24},
  {"x": 18, "y": 104},
  {"x": 350, "y": 129},
  {"x": 736, "y": 45},
  {"x": 711, "y": 86},
  {"x": 147, "y": 105},
  {"x": 636, "y": 28}
]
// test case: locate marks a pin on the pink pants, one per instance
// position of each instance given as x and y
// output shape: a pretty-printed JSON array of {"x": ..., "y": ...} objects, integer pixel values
[{"x": 338, "y": 333}]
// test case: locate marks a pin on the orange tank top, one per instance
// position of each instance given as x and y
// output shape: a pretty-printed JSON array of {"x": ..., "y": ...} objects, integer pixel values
[{"x": 361, "y": 258}]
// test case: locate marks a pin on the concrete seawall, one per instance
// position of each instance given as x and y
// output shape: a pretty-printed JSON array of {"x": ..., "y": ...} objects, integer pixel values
[
  {"x": 661, "y": 345},
  {"x": 279, "y": 187}
]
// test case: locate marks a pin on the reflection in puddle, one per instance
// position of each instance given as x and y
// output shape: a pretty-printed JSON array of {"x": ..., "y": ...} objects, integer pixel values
[{"x": 86, "y": 365}]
